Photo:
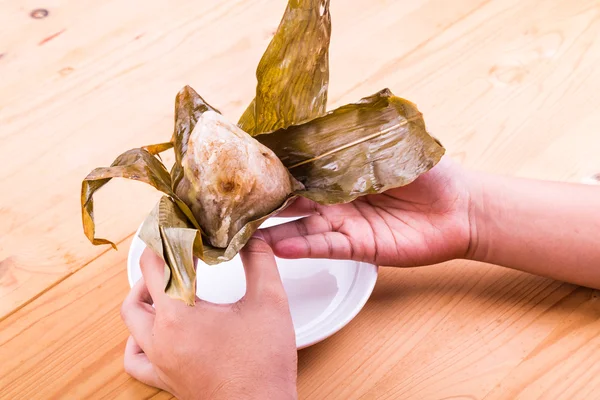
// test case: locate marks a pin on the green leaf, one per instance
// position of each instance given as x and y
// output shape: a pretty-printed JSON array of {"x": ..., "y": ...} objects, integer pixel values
[
  {"x": 293, "y": 74},
  {"x": 135, "y": 164},
  {"x": 168, "y": 233},
  {"x": 362, "y": 148},
  {"x": 154, "y": 149}
]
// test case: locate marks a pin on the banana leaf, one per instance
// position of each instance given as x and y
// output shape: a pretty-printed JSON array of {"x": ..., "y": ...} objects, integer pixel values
[
  {"x": 293, "y": 73},
  {"x": 155, "y": 149},
  {"x": 164, "y": 211},
  {"x": 363, "y": 148},
  {"x": 169, "y": 233},
  {"x": 136, "y": 164},
  {"x": 367, "y": 147}
]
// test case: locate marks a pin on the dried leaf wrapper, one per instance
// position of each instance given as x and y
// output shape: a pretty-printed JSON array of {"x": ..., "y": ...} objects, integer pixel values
[{"x": 378, "y": 143}]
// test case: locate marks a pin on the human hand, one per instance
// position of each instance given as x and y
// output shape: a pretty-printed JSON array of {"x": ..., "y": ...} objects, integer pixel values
[
  {"x": 245, "y": 350},
  {"x": 423, "y": 223}
]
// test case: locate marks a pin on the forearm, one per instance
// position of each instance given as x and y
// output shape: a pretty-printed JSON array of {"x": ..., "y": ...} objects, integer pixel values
[
  {"x": 257, "y": 389},
  {"x": 260, "y": 393},
  {"x": 544, "y": 228}
]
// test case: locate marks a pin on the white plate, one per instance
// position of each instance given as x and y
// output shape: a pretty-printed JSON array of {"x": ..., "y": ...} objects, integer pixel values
[{"x": 324, "y": 295}]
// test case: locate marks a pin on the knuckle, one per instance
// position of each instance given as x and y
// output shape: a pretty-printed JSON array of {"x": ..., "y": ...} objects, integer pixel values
[
  {"x": 169, "y": 319},
  {"x": 257, "y": 246},
  {"x": 125, "y": 310},
  {"x": 302, "y": 226},
  {"x": 327, "y": 221},
  {"x": 128, "y": 365},
  {"x": 308, "y": 246},
  {"x": 275, "y": 297},
  {"x": 267, "y": 235},
  {"x": 161, "y": 354},
  {"x": 330, "y": 247},
  {"x": 315, "y": 207},
  {"x": 238, "y": 306}
]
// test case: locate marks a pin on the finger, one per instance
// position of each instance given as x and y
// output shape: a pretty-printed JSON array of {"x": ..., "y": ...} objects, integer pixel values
[
  {"x": 138, "y": 314},
  {"x": 138, "y": 365},
  {"x": 302, "y": 227},
  {"x": 300, "y": 207},
  {"x": 334, "y": 245},
  {"x": 153, "y": 271},
  {"x": 262, "y": 275}
]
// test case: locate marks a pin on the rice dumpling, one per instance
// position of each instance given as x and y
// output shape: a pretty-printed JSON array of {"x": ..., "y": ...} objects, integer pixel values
[{"x": 230, "y": 178}]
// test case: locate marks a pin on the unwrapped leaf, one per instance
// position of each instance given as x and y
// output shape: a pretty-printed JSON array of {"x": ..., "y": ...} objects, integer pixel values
[
  {"x": 168, "y": 232},
  {"x": 293, "y": 73},
  {"x": 155, "y": 149},
  {"x": 165, "y": 214},
  {"x": 135, "y": 164},
  {"x": 213, "y": 255},
  {"x": 362, "y": 148}
]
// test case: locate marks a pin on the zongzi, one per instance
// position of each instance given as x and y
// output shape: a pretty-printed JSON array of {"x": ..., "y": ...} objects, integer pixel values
[
  {"x": 227, "y": 179},
  {"x": 230, "y": 178}
]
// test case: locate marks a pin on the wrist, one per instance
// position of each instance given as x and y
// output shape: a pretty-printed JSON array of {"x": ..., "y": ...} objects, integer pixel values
[
  {"x": 479, "y": 211},
  {"x": 256, "y": 390},
  {"x": 266, "y": 393}
]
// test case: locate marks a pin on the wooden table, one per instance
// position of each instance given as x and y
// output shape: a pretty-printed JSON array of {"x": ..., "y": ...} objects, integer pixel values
[{"x": 509, "y": 86}]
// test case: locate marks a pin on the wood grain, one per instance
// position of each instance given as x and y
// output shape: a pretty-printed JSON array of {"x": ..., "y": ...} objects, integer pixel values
[
  {"x": 459, "y": 330},
  {"x": 91, "y": 80},
  {"x": 432, "y": 334},
  {"x": 70, "y": 104},
  {"x": 509, "y": 86},
  {"x": 69, "y": 342}
]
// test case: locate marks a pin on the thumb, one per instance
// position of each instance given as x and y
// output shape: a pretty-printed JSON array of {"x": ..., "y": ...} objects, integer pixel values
[
  {"x": 138, "y": 365},
  {"x": 262, "y": 275}
]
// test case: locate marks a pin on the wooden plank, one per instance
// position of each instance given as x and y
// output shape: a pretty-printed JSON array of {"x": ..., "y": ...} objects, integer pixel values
[
  {"x": 69, "y": 342},
  {"x": 459, "y": 330},
  {"x": 506, "y": 85},
  {"x": 432, "y": 334},
  {"x": 69, "y": 334},
  {"x": 74, "y": 101}
]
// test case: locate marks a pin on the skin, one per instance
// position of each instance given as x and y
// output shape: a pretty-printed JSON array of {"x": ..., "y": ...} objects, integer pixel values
[
  {"x": 424, "y": 223},
  {"x": 209, "y": 351},
  {"x": 203, "y": 352},
  {"x": 546, "y": 228}
]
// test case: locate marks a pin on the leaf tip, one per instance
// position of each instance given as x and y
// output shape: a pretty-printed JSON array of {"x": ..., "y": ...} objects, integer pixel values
[
  {"x": 386, "y": 92},
  {"x": 191, "y": 303}
]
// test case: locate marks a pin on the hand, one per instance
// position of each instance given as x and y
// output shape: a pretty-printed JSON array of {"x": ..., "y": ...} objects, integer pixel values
[
  {"x": 245, "y": 350},
  {"x": 423, "y": 223}
]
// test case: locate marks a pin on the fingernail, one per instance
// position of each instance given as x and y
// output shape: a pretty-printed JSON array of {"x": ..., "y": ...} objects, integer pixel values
[{"x": 259, "y": 235}]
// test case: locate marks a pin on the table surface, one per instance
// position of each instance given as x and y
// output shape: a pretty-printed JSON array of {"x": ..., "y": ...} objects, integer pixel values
[{"x": 509, "y": 86}]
